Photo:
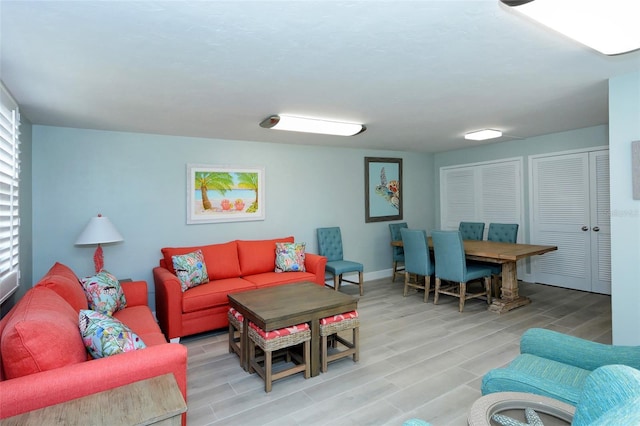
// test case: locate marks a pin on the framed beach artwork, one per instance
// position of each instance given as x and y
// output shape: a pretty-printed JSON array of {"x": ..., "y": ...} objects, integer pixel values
[
  {"x": 382, "y": 189},
  {"x": 224, "y": 194}
]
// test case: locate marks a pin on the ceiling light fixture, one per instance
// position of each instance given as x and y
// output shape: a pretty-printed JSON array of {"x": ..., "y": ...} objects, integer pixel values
[
  {"x": 312, "y": 125},
  {"x": 481, "y": 135},
  {"x": 608, "y": 26}
]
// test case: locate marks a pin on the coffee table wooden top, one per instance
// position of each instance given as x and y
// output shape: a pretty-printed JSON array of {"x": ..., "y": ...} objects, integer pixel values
[{"x": 285, "y": 305}]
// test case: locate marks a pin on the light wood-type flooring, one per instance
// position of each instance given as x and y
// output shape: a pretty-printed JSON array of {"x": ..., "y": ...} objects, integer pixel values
[{"x": 417, "y": 360}]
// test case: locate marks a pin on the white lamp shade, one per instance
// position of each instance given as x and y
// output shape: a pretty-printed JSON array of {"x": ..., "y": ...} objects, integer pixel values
[{"x": 99, "y": 230}]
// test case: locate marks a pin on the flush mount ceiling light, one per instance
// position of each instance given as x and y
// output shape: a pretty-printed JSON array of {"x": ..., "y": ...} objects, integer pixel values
[
  {"x": 481, "y": 135},
  {"x": 312, "y": 125},
  {"x": 608, "y": 26}
]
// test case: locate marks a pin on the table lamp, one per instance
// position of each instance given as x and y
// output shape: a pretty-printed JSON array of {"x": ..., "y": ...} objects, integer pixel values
[{"x": 99, "y": 231}]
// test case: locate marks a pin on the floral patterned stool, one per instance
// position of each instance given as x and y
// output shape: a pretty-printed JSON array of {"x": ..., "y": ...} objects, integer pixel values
[
  {"x": 235, "y": 330},
  {"x": 329, "y": 327},
  {"x": 270, "y": 341}
]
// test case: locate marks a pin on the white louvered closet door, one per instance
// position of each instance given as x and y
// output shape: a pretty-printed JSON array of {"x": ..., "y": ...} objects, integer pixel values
[
  {"x": 570, "y": 199},
  {"x": 482, "y": 192}
]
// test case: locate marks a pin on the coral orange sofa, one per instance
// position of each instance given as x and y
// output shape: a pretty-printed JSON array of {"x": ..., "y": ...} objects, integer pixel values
[
  {"x": 45, "y": 362},
  {"x": 232, "y": 267}
]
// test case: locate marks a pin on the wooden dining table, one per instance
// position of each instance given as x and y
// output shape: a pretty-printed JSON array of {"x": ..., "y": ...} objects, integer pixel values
[{"x": 506, "y": 254}]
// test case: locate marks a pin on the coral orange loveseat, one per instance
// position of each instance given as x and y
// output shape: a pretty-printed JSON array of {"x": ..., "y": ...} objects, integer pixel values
[
  {"x": 45, "y": 362},
  {"x": 232, "y": 267}
]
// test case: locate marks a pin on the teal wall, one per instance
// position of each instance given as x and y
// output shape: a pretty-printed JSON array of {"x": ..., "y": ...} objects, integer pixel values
[
  {"x": 624, "y": 127},
  {"x": 139, "y": 182}
]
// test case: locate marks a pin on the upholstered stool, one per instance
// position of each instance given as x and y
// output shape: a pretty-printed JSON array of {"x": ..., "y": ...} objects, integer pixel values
[
  {"x": 329, "y": 327},
  {"x": 235, "y": 330},
  {"x": 270, "y": 341}
]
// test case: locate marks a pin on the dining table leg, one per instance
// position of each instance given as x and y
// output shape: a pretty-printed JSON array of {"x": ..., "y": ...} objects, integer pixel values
[{"x": 509, "y": 298}]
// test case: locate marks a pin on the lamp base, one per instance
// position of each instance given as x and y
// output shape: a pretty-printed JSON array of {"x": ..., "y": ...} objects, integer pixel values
[{"x": 98, "y": 259}]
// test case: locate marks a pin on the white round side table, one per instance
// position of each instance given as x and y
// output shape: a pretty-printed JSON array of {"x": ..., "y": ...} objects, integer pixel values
[{"x": 512, "y": 404}]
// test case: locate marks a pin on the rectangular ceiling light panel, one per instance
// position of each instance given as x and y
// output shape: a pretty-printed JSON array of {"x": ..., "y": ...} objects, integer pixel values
[{"x": 611, "y": 27}]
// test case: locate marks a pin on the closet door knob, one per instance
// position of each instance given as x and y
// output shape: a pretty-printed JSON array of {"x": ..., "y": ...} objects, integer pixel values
[
  {"x": 585, "y": 228},
  {"x": 596, "y": 229}
]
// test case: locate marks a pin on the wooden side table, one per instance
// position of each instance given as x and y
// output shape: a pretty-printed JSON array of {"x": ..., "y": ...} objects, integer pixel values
[{"x": 155, "y": 401}]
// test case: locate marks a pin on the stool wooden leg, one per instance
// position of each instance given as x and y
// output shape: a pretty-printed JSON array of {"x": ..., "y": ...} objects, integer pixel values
[
  {"x": 323, "y": 354},
  {"x": 307, "y": 359},
  {"x": 360, "y": 276},
  {"x": 268, "y": 376},
  {"x": 336, "y": 282},
  {"x": 356, "y": 343}
]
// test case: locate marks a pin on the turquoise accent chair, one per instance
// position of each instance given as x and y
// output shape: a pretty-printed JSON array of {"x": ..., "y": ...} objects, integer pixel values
[
  {"x": 397, "y": 252},
  {"x": 451, "y": 265},
  {"x": 471, "y": 230},
  {"x": 417, "y": 261},
  {"x": 330, "y": 246},
  {"x": 557, "y": 365}
]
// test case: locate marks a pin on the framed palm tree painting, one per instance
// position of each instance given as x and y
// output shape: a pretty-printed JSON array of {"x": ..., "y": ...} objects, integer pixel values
[{"x": 224, "y": 194}]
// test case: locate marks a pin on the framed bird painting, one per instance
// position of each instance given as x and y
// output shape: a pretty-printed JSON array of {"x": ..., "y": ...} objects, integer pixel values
[{"x": 382, "y": 189}]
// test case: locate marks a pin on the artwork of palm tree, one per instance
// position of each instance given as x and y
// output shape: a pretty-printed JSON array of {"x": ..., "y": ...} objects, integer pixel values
[
  {"x": 216, "y": 181},
  {"x": 249, "y": 181}
]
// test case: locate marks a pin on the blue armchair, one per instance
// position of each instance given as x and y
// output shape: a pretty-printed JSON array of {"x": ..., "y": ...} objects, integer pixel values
[{"x": 556, "y": 365}]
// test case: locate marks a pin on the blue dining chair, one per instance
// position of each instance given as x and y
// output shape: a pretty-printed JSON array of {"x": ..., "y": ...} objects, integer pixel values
[
  {"x": 330, "y": 246},
  {"x": 417, "y": 261},
  {"x": 397, "y": 252},
  {"x": 502, "y": 233},
  {"x": 451, "y": 265},
  {"x": 471, "y": 230}
]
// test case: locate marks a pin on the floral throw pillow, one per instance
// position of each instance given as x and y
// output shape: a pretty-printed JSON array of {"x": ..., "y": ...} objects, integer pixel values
[
  {"x": 104, "y": 293},
  {"x": 190, "y": 269},
  {"x": 105, "y": 336},
  {"x": 290, "y": 257}
]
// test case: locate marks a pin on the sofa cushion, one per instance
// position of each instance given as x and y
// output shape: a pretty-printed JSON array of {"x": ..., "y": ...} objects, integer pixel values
[
  {"x": 106, "y": 336},
  {"x": 41, "y": 334},
  {"x": 140, "y": 320},
  {"x": 61, "y": 279},
  {"x": 270, "y": 279},
  {"x": 290, "y": 257},
  {"x": 221, "y": 259},
  {"x": 190, "y": 269},
  {"x": 257, "y": 256},
  {"x": 213, "y": 294},
  {"x": 104, "y": 293}
]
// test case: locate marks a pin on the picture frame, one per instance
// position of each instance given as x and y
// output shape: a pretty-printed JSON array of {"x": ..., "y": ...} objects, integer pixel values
[
  {"x": 218, "y": 194},
  {"x": 382, "y": 189}
]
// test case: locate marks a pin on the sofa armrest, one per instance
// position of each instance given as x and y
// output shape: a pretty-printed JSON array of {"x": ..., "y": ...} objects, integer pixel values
[
  {"x": 575, "y": 351},
  {"x": 315, "y": 264},
  {"x": 136, "y": 293},
  {"x": 32, "y": 392},
  {"x": 168, "y": 302}
]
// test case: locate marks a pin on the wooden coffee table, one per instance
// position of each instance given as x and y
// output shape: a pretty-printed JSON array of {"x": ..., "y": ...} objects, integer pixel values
[{"x": 290, "y": 304}]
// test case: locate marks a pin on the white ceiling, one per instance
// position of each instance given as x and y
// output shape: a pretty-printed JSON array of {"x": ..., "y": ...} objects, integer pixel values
[{"x": 419, "y": 74}]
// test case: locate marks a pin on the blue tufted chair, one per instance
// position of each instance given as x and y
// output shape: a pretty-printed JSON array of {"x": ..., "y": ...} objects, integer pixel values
[
  {"x": 330, "y": 246},
  {"x": 397, "y": 252},
  {"x": 417, "y": 261},
  {"x": 556, "y": 365},
  {"x": 451, "y": 265},
  {"x": 503, "y": 233},
  {"x": 471, "y": 230}
]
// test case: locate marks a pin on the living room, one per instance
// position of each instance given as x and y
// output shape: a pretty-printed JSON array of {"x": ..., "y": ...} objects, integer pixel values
[{"x": 138, "y": 180}]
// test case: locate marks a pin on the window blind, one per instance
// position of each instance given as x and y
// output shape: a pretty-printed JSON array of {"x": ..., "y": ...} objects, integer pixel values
[{"x": 9, "y": 205}]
